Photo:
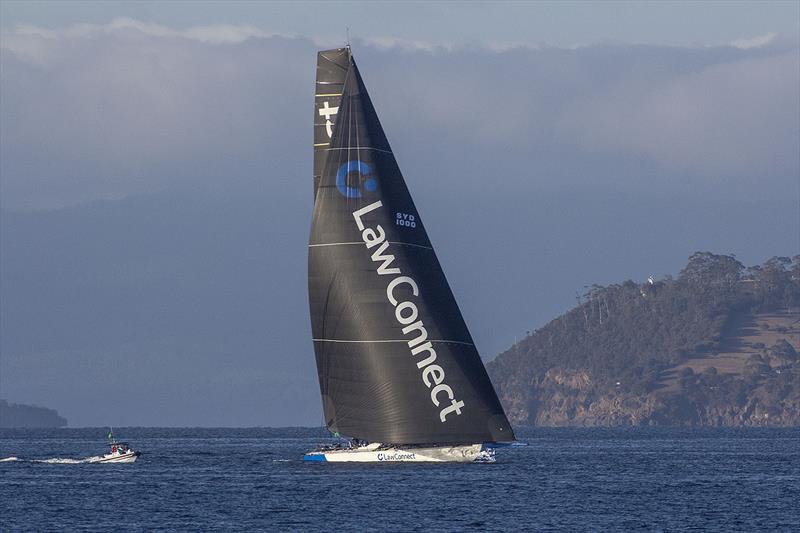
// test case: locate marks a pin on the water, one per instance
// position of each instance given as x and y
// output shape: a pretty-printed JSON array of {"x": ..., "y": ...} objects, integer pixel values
[{"x": 253, "y": 479}]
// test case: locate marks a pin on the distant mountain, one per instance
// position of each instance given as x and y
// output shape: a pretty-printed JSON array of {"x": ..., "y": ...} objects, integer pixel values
[
  {"x": 717, "y": 346},
  {"x": 29, "y": 416}
]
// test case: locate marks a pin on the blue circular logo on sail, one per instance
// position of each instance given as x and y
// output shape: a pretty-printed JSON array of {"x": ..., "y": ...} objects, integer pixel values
[{"x": 355, "y": 173}]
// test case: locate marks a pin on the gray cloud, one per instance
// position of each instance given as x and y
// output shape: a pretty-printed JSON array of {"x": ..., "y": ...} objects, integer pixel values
[
  {"x": 103, "y": 111},
  {"x": 131, "y": 112},
  {"x": 732, "y": 118},
  {"x": 156, "y": 191}
]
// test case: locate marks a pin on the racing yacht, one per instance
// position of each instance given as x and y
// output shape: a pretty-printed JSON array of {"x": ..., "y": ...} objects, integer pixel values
[{"x": 398, "y": 370}]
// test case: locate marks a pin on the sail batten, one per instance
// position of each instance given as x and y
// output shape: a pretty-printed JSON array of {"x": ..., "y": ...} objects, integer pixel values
[
  {"x": 395, "y": 359},
  {"x": 399, "y": 243},
  {"x": 445, "y": 341}
]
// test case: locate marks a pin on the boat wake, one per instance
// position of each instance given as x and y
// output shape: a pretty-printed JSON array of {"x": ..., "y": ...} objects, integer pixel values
[
  {"x": 64, "y": 461},
  {"x": 52, "y": 460},
  {"x": 59, "y": 461}
]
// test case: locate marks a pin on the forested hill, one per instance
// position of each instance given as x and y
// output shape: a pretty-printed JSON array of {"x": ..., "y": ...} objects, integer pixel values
[
  {"x": 716, "y": 346},
  {"x": 29, "y": 416}
]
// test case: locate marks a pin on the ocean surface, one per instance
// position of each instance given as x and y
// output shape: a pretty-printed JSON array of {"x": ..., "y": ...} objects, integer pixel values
[{"x": 254, "y": 479}]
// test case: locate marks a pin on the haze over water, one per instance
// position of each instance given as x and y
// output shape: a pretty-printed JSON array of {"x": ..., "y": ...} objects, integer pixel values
[{"x": 156, "y": 178}]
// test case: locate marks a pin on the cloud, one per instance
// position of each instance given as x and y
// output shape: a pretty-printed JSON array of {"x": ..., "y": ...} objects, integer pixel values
[
  {"x": 103, "y": 111},
  {"x": 100, "y": 113},
  {"x": 732, "y": 118},
  {"x": 754, "y": 42},
  {"x": 537, "y": 170},
  {"x": 214, "y": 34}
]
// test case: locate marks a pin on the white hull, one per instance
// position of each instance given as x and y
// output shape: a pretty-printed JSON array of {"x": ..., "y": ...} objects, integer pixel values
[
  {"x": 377, "y": 453},
  {"x": 116, "y": 458}
]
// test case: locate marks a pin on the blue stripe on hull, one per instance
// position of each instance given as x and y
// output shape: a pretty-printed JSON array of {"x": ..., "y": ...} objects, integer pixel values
[{"x": 320, "y": 457}]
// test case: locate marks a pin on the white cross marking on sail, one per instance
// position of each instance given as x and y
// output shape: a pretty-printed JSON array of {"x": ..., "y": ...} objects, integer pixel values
[{"x": 327, "y": 112}]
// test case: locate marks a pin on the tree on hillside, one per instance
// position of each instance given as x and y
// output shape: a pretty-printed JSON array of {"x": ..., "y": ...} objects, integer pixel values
[{"x": 711, "y": 270}]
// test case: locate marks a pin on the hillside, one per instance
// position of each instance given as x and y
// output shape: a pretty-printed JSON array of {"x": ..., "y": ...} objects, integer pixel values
[
  {"x": 29, "y": 416},
  {"x": 716, "y": 346}
]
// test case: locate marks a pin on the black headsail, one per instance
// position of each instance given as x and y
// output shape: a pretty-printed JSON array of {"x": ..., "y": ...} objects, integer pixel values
[{"x": 395, "y": 359}]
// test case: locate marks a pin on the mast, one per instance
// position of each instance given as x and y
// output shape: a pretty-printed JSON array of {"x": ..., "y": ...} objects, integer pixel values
[{"x": 395, "y": 359}]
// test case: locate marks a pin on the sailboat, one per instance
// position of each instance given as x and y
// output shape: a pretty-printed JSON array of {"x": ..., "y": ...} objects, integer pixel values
[{"x": 398, "y": 370}]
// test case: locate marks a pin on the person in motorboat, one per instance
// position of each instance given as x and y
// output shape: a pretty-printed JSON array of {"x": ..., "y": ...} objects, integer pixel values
[{"x": 120, "y": 453}]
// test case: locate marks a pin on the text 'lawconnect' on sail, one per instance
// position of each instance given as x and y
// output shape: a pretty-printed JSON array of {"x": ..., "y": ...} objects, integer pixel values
[{"x": 406, "y": 313}]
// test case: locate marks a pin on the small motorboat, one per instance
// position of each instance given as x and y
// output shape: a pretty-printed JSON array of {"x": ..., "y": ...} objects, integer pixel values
[{"x": 120, "y": 452}]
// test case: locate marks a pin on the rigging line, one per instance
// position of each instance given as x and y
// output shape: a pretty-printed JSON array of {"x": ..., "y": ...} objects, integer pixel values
[
  {"x": 358, "y": 135},
  {"x": 353, "y": 120},
  {"x": 344, "y": 109},
  {"x": 343, "y": 117},
  {"x": 349, "y": 128}
]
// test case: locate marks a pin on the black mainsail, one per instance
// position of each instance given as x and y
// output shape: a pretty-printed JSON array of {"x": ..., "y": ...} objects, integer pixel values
[
  {"x": 395, "y": 359},
  {"x": 332, "y": 67}
]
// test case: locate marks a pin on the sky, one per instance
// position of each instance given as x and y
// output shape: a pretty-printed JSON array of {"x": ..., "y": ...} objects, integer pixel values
[{"x": 155, "y": 177}]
